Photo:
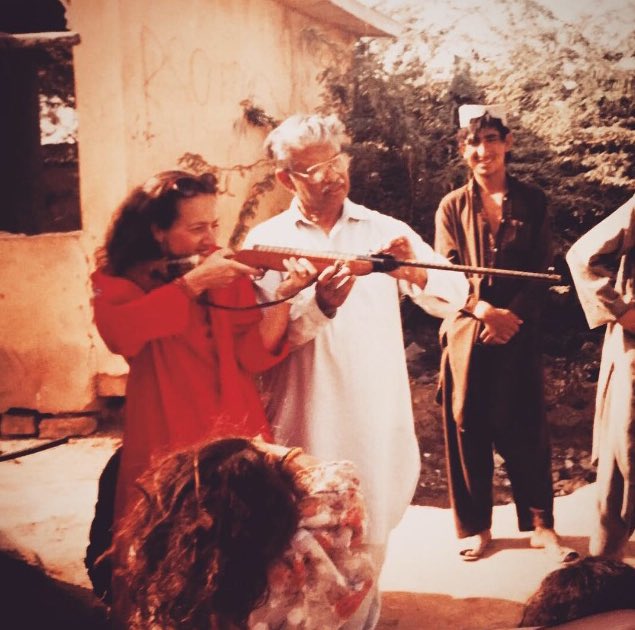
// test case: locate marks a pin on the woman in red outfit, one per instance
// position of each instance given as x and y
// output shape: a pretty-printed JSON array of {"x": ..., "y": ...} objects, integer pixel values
[{"x": 191, "y": 364}]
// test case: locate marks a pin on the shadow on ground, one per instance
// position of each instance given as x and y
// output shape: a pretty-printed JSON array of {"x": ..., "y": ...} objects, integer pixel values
[
  {"x": 31, "y": 600},
  {"x": 428, "y": 611}
]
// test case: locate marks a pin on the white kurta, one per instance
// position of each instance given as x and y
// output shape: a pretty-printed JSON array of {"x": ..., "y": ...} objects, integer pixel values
[
  {"x": 343, "y": 392},
  {"x": 602, "y": 266}
]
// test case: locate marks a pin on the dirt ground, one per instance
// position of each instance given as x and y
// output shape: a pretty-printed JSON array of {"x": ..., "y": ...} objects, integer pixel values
[
  {"x": 46, "y": 504},
  {"x": 48, "y": 524},
  {"x": 570, "y": 385}
]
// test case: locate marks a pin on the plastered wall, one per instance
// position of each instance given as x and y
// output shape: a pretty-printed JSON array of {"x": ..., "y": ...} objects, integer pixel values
[{"x": 155, "y": 79}]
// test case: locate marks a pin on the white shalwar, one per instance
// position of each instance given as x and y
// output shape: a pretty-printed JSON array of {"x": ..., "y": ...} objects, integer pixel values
[{"x": 343, "y": 392}]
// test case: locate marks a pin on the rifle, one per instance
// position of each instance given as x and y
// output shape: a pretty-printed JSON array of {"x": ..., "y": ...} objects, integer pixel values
[
  {"x": 148, "y": 275},
  {"x": 264, "y": 257}
]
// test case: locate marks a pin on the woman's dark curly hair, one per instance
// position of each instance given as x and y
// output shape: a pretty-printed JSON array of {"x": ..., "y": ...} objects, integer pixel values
[
  {"x": 198, "y": 546},
  {"x": 130, "y": 240},
  {"x": 588, "y": 587}
]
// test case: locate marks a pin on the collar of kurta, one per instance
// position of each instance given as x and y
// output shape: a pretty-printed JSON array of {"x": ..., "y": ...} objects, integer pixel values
[
  {"x": 350, "y": 210},
  {"x": 473, "y": 186}
]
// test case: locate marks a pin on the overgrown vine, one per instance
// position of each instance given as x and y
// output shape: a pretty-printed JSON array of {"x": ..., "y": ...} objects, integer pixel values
[{"x": 196, "y": 163}]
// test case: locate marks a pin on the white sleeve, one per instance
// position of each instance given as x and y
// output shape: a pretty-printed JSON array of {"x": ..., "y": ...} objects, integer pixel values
[
  {"x": 445, "y": 292},
  {"x": 594, "y": 260}
]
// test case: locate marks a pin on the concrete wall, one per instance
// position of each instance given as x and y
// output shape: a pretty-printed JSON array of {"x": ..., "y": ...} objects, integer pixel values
[{"x": 155, "y": 79}]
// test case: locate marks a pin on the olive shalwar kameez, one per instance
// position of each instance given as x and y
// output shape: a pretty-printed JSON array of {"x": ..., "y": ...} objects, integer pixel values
[{"x": 492, "y": 395}]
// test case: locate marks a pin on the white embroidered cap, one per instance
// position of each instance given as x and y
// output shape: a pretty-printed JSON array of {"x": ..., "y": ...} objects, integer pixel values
[{"x": 469, "y": 112}]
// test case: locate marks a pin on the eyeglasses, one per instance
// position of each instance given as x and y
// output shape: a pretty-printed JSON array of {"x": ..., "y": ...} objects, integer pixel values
[
  {"x": 317, "y": 172},
  {"x": 192, "y": 186}
]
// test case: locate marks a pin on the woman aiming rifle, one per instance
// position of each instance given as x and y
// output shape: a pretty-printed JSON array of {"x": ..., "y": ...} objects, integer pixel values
[{"x": 191, "y": 366}]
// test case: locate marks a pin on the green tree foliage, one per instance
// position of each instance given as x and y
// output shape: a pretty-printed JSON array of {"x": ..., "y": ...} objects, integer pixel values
[
  {"x": 571, "y": 108},
  {"x": 402, "y": 136},
  {"x": 571, "y": 112}
]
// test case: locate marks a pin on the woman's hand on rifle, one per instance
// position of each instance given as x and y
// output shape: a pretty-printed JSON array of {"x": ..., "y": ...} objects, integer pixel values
[
  {"x": 301, "y": 274},
  {"x": 218, "y": 270},
  {"x": 275, "y": 319}
]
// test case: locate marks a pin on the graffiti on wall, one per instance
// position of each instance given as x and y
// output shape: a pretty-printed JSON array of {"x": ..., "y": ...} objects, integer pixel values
[{"x": 172, "y": 72}]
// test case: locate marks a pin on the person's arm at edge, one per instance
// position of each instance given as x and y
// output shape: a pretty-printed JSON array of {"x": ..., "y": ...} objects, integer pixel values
[{"x": 593, "y": 279}]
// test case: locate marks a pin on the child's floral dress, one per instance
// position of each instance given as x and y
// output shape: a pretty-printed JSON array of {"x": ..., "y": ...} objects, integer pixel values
[{"x": 325, "y": 574}]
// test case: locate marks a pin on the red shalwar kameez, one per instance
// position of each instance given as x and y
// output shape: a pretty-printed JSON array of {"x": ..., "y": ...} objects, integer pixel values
[{"x": 190, "y": 368}]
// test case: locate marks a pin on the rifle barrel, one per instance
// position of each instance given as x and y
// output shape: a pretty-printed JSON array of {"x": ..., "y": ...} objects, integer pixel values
[
  {"x": 272, "y": 258},
  {"x": 486, "y": 271}
]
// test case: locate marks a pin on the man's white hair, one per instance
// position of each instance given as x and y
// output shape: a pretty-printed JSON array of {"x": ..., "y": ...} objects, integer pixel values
[{"x": 300, "y": 131}]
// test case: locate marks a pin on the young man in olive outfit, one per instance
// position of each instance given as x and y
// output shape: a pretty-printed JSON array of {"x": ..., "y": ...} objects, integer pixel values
[{"x": 491, "y": 366}]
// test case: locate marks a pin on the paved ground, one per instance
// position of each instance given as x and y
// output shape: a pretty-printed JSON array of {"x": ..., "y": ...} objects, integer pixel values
[
  {"x": 46, "y": 503},
  {"x": 427, "y": 585}
]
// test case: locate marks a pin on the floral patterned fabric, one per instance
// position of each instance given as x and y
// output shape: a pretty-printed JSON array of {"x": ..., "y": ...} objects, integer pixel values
[{"x": 325, "y": 574}]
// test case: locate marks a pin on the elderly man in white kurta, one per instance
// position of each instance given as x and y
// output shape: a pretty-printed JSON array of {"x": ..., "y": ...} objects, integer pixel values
[
  {"x": 343, "y": 392},
  {"x": 602, "y": 265}
]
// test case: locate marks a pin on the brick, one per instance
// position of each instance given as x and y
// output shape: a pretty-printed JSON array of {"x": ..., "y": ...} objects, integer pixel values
[
  {"x": 53, "y": 428},
  {"x": 13, "y": 425}
]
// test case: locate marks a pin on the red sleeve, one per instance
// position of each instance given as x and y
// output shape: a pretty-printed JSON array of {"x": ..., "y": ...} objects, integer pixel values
[
  {"x": 252, "y": 356},
  {"x": 127, "y": 317}
]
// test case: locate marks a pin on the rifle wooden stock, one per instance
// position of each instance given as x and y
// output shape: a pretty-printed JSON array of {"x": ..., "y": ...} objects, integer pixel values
[{"x": 272, "y": 258}]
